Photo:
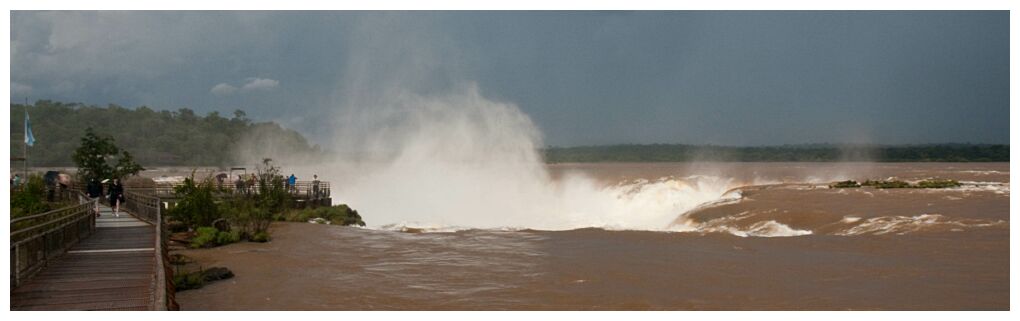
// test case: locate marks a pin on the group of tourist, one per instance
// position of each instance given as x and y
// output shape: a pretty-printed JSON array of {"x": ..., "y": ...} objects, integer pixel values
[
  {"x": 245, "y": 185},
  {"x": 114, "y": 193},
  {"x": 249, "y": 185}
]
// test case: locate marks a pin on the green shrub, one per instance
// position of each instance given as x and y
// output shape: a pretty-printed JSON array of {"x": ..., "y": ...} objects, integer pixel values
[
  {"x": 938, "y": 183},
  {"x": 197, "y": 279},
  {"x": 210, "y": 237},
  {"x": 260, "y": 237},
  {"x": 238, "y": 211},
  {"x": 224, "y": 238},
  {"x": 928, "y": 183},
  {"x": 272, "y": 197},
  {"x": 188, "y": 281},
  {"x": 196, "y": 205},
  {"x": 886, "y": 184},
  {"x": 338, "y": 214},
  {"x": 845, "y": 184},
  {"x": 30, "y": 198},
  {"x": 204, "y": 237}
]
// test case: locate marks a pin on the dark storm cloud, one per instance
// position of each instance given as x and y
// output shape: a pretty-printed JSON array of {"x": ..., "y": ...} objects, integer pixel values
[{"x": 584, "y": 77}]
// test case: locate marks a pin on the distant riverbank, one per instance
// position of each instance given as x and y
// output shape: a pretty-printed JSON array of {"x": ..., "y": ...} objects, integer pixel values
[{"x": 784, "y": 153}]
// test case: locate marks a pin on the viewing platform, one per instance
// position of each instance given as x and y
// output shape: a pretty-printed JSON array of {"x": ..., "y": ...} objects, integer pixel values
[{"x": 302, "y": 193}]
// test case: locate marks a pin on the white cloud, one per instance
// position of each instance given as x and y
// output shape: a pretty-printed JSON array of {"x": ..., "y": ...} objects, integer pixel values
[
  {"x": 223, "y": 89},
  {"x": 250, "y": 84},
  {"x": 259, "y": 84}
]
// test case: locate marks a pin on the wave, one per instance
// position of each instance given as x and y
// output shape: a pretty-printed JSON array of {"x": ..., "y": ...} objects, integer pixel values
[
  {"x": 988, "y": 172},
  {"x": 644, "y": 205},
  {"x": 901, "y": 225},
  {"x": 745, "y": 224},
  {"x": 972, "y": 186},
  {"x": 769, "y": 228}
]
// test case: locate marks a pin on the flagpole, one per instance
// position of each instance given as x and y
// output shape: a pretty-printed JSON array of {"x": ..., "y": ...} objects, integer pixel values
[{"x": 25, "y": 142}]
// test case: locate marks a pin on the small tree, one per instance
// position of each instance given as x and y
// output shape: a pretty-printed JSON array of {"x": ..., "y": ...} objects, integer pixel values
[
  {"x": 91, "y": 158},
  {"x": 196, "y": 205},
  {"x": 30, "y": 198},
  {"x": 272, "y": 198}
]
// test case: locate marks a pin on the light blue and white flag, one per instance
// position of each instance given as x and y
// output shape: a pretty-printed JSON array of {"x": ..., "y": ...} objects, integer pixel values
[{"x": 29, "y": 138}]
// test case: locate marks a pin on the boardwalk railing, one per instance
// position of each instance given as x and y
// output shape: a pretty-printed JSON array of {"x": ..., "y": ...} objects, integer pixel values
[
  {"x": 36, "y": 239},
  {"x": 301, "y": 189},
  {"x": 149, "y": 209}
]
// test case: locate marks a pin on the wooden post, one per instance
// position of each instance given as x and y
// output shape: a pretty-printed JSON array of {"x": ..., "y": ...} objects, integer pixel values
[{"x": 17, "y": 265}]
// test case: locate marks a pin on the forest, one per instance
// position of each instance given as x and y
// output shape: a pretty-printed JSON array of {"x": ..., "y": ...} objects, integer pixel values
[
  {"x": 153, "y": 137},
  {"x": 183, "y": 138},
  {"x": 783, "y": 153}
]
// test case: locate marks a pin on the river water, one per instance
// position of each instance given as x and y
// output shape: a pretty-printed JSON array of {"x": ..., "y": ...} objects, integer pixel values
[{"x": 772, "y": 236}]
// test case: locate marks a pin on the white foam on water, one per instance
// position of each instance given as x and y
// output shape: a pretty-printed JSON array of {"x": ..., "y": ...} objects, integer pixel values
[
  {"x": 729, "y": 224},
  {"x": 772, "y": 228},
  {"x": 850, "y": 219},
  {"x": 971, "y": 186},
  {"x": 989, "y": 172},
  {"x": 910, "y": 224}
]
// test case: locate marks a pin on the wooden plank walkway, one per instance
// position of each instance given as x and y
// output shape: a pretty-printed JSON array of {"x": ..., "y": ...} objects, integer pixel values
[{"x": 111, "y": 270}]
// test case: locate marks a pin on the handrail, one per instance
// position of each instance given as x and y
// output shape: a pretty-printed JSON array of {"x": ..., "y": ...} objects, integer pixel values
[
  {"x": 300, "y": 189},
  {"x": 149, "y": 209},
  {"x": 33, "y": 246}
]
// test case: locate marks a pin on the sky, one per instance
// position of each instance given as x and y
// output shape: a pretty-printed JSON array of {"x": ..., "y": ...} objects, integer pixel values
[{"x": 584, "y": 78}]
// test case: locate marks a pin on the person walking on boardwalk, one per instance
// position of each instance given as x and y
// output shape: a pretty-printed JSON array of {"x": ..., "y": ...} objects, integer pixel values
[
  {"x": 239, "y": 185},
  {"x": 252, "y": 184},
  {"x": 116, "y": 196},
  {"x": 94, "y": 190},
  {"x": 315, "y": 186},
  {"x": 291, "y": 183}
]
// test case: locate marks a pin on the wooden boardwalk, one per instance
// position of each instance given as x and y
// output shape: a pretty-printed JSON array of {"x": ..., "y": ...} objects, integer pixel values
[{"x": 111, "y": 270}]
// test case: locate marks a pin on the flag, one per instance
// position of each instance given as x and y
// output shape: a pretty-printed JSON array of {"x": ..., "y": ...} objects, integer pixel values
[{"x": 29, "y": 138}]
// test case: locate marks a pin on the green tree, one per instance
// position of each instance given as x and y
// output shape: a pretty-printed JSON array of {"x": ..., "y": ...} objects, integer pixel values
[
  {"x": 272, "y": 198},
  {"x": 196, "y": 204},
  {"x": 154, "y": 137},
  {"x": 30, "y": 197},
  {"x": 91, "y": 158}
]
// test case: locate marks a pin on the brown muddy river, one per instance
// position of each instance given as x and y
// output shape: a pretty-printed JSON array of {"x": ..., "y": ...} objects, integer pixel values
[{"x": 746, "y": 236}]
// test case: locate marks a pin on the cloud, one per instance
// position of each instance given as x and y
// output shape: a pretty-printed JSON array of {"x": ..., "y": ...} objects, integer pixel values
[
  {"x": 259, "y": 84},
  {"x": 223, "y": 89},
  {"x": 710, "y": 72},
  {"x": 250, "y": 84}
]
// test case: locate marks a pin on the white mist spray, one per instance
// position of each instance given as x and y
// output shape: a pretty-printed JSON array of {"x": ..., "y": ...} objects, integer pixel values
[
  {"x": 417, "y": 146},
  {"x": 461, "y": 161}
]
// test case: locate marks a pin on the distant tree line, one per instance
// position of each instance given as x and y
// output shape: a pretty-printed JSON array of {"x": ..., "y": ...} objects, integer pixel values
[
  {"x": 784, "y": 153},
  {"x": 183, "y": 138},
  {"x": 153, "y": 137}
]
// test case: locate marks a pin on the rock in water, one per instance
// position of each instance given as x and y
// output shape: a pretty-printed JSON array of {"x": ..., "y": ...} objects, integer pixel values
[{"x": 217, "y": 273}]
